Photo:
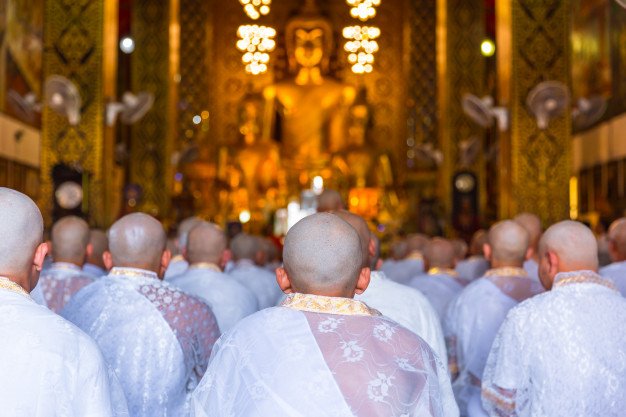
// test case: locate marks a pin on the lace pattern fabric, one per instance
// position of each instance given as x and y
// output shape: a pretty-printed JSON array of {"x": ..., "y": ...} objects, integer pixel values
[
  {"x": 560, "y": 365},
  {"x": 60, "y": 282}
]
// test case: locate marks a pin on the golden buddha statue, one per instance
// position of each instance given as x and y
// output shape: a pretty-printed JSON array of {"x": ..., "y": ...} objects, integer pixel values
[{"x": 312, "y": 106}]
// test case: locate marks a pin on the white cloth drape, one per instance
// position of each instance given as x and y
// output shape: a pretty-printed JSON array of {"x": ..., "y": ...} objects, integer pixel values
[
  {"x": 617, "y": 273},
  {"x": 49, "y": 367},
  {"x": 155, "y": 337},
  {"x": 561, "y": 354},
  {"x": 439, "y": 289},
  {"x": 177, "y": 266},
  {"x": 258, "y": 280},
  {"x": 472, "y": 268},
  {"x": 403, "y": 270}
]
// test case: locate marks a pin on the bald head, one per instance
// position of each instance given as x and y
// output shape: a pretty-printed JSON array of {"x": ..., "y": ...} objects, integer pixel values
[
  {"x": 399, "y": 250},
  {"x": 460, "y": 248},
  {"x": 478, "y": 241},
  {"x": 440, "y": 253},
  {"x": 329, "y": 200},
  {"x": 245, "y": 246},
  {"x": 617, "y": 240},
  {"x": 508, "y": 243},
  {"x": 184, "y": 228},
  {"x": 416, "y": 242},
  {"x": 564, "y": 247},
  {"x": 206, "y": 243},
  {"x": 323, "y": 255},
  {"x": 21, "y": 232},
  {"x": 532, "y": 224},
  {"x": 70, "y": 237},
  {"x": 362, "y": 230},
  {"x": 137, "y": 240},
  {"x": 99, "y": 244}
]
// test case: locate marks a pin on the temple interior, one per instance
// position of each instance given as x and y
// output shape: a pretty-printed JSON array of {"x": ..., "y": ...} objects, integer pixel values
[{"x": 437, "y": 117}]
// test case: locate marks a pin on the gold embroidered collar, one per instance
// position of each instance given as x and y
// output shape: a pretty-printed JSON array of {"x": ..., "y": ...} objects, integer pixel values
[
  {"x": 328, "y": 305},
  {"x": 415, "y": 256},
  {"x": 133, "y": 273},
  {"x": 66, "y": 266},
  {"x": 581, "y": 277},
  {"x": 443, "y": 271},
  {"x": 206, "y": 265},
  {"x": 7, "y": 284},
  {"x": 507, "y": 271},
  {"x": 177, "y": 258}
]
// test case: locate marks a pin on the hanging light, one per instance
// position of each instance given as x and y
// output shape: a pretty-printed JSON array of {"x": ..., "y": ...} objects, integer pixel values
[
  {"x": 361, "y": 47},
  {"x": 363, "y": 9},
  {"x": 256, "y": 8},
  {"x": 256, "y": 42}
]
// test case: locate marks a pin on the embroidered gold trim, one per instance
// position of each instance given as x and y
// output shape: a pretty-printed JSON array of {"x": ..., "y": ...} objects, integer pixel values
[
  {"x": 132, "y": 272},
  {"x": 498, "y": 399},
  {"x": 177, "y": 258},
  {"x": 415, "y": 256},
  {"x": 329, "y": 305},
  {"x": 206, "y": 265},
  {"x": 7, "y": 284},
  {"x": 443, "y": 271},
  {"x": 66, "y": 266},
  {"x": 582, "y": 279},
  {"x": 507, "y": 271}
]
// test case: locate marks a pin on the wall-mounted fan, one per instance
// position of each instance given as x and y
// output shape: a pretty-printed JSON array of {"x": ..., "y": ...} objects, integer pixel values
[
  {"x": 547, "y": 101},
  {"x": 587, "y": 111},
  {"x": 483, "y": 112},
  {"x": 131, "y": 109},
  {"x": 25, "y": 106},
  {"x": 63, "y": 97}
]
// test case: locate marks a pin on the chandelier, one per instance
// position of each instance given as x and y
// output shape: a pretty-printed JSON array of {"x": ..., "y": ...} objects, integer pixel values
[
  {"x": 257, "y": 8},
  {"x": 362, "y": 9},
  {"x": 361, "y": 47},
  {"x": 256, "y": 42}
]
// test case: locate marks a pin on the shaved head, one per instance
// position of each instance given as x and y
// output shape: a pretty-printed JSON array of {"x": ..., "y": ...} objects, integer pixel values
[
  {"x": 99, "y": 244},
  {"x": 440, "y": 253},
  {"x": 323, "y": 254},
  {"x": 399, "y": 250},
  {"x": 184, "y": 228},
  {"x": 245, "y": 246},
  {"x": 330, "y": 200},
  {"x": 508, "y": 242},
  {"x": 617, "y": 240},
  {"x": 460, "y": 248},
  {"x": 206, "y": 243},
  {"x": 416, "y": 242},
  {"x": 532, "y": 224},
  {"x": 478, "y": 241},
  {"x": 573, "y": 243},
  {"x": 70, "y": 237},
  {"x": 362, "y": 230},
  {"x": 137, "y": 240},
  {"x": 21, "y": 232}
]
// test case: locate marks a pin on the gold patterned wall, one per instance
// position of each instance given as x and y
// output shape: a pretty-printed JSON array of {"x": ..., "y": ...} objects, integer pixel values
[
  {"x": 534, "y": 40},
  {"x": 73, "y": 48}
]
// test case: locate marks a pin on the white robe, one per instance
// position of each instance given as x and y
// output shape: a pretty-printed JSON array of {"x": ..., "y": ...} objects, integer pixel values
[
  {"x": 407, "y": 307},
  {"x": 229, "y": 300},
  {"x": 617, "y": 273},
  {"x": 403, "y": 270},
  {"x": 439, "y": 289},
  {"x": 60, "y": 282},
  {"x": 49, "y": 367},
  {"x": 178, "y": 265},
  {"x": 532, "y": 269},
  {"x": 156, "y": 338},
  {"x": 472, "y": 268},
  {"x": 472, "y": 321},
  {"x": 561, "y": 353},
  {"x": 258, "y": 280},
  {"x": 94, "y": 271},
  {"x": 323, "y": 357}
]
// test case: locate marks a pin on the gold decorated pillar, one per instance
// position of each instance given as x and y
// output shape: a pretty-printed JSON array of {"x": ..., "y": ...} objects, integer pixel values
[
  {"x": 533, "y": 41},
  {"x": 461, "y": 70},
  {"x": 77, "y": 46},
  {"x": 154, "y": 68}
]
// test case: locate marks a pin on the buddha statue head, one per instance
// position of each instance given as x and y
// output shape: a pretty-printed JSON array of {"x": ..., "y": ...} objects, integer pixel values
[{"x": 309, "y": 39}]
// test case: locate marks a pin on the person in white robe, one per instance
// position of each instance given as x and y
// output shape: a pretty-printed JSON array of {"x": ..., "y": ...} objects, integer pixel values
[
  {"x": 207, "y": 252},
  {"x": 402, "y": 271},
  {"x": 156, "y": 338},
  {"x": 178, "y": 264},
  {"x": 49, "y": 367},
  {"x": 474, "y": 317},
  {"x": 616, "y": 271},
  {"x": 65, "y": 277},
  {"x": 94, "y": 267},
  {"x": 246, "y": 251},
  {"x": 322, "y": 353},
  {"x": 402, "y": 304},
  {"x": 441, "y": 283},
  {"x": 532, "y": 224},
  {"x": 476, "y": 265},
  {"x": 562, "y": 353}
]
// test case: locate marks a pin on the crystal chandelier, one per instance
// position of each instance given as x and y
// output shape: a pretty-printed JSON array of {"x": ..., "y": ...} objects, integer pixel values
[
  {"x": 256, "y": 8},
  {"x": 361, "y": 47},
  {"x": 256, "y": 42},
  {"x": 363, "y": 9}
]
